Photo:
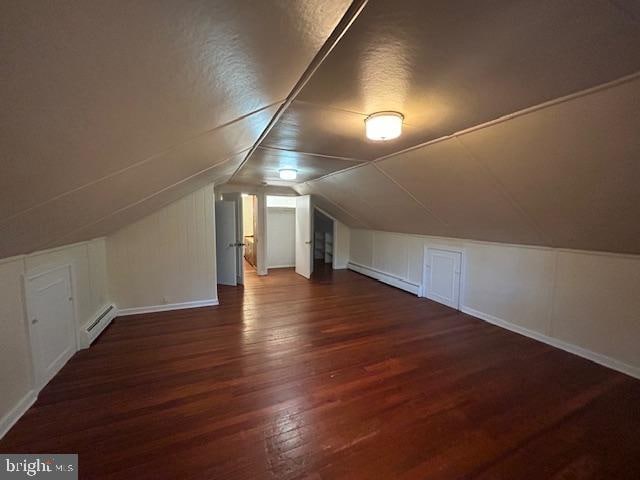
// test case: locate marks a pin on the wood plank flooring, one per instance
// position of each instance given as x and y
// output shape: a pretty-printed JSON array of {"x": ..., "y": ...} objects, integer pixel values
[{"x": 340, "y": 377}]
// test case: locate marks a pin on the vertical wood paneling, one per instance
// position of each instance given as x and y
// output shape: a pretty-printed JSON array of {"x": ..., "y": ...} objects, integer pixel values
[
  {"x": 15, "y": 356},
  {"x": 590, "y": 299},
  {"x": 167, "y": 257}
]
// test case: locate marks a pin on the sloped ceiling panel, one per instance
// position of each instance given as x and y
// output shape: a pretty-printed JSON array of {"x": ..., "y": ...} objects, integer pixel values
[
  {"x": 573, "y": 167},
  {"x": 566, "y": 175},
  {"x": 43, "y": 226},
  {"x": 457, "y": 187},
  {"x": 92, "y": 88},
  {"x": 371, "y": 197},
  {"x": 328, "y": 206},
  {"x": 120, "y": 218}
]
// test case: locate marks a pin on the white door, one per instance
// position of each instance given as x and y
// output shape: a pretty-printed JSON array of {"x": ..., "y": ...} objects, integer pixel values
[
  {"x": 443, "y": 277},
  {"x": 226, "y": 245},
  {"x": 237, "y": 199},
  {"x": 51, "y": 322},
  {"x": 303, "y": 236}
]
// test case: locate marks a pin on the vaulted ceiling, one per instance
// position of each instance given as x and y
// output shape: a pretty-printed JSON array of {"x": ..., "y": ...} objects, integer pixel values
[
  {"x": 111, "y": 110},
  {"x": 521, "y": 122}
]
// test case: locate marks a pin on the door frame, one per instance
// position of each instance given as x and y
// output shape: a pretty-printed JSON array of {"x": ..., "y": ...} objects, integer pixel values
[
  {"x": 335, "y": 232},
  {"x": 220, "y": 244},
  {"x": 426, "y": 268},
  {"x": 37, "y": 375}
]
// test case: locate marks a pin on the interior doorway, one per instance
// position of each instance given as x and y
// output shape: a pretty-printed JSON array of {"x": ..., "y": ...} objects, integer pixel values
[
  {"x": 249, "y": 228},
  {"x": 323, "y": 241},
  {"x": 281, "y": 231}
]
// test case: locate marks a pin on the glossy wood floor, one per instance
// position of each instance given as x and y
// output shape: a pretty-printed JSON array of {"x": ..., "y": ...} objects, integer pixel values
[{"x": 336, "y": 378}]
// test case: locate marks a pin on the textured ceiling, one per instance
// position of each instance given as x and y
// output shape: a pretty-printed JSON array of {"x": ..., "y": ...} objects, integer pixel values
[
  {"x": 508, "y": 136},
  {"x": 566, "y": 175},
  {"x": 111, "y": 109},
  {"x": 448, "y": 66}
]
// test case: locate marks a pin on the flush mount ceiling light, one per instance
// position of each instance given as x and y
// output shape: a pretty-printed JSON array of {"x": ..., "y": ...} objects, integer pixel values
[
  {"x": 288, "y": 173},
  {"x": 383, "y": 126}
]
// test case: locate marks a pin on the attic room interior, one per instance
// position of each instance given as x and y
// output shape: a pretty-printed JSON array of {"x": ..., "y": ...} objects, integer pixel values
[{"x": 320, "y": 239}]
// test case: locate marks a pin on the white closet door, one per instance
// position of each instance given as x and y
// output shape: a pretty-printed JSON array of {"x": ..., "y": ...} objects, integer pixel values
[
  {"x": 443, "y": 277},
  {"x": 226, "y": 243},
  {"x": 50, "y": 308}
]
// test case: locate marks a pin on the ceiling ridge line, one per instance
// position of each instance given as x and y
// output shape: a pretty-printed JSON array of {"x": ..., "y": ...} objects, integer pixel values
[
  {"x": 336, "y": 35},
  {"x": 321, "y": 155},
  {"x": 413, "y": 197},
  {"x": 337, "y": 205},
  {"x": 504, "y": 191},
  {"x": 60, "y": 238},
  {"x": 155, "y": 156},
  {"x": 510, "y": 116}
]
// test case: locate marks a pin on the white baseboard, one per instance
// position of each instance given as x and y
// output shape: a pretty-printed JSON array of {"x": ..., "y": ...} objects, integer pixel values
[
  {"x": 167, "y": 307},
  {"x": 10, "y": 419},
  {"x": 554, "y": 342},
  {"x": 385, "y": 278},
  {"x": 281, "y": 266}
]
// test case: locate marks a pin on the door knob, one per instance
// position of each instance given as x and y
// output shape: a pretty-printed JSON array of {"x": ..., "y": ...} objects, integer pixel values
[
  {"x": 308, "y": 242},
  {"x": 34, "y": 321}
]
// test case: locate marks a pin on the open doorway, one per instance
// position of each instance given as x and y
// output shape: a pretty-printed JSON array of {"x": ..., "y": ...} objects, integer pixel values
[
  {"x": 323, "y": 242},
  {"x": 249, "y": 228},
  {"x": 236, "y": 217},
  {"x": 281, "y": 233}
]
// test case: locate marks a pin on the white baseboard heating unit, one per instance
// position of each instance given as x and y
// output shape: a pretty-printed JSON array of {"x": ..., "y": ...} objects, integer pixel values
[{"x": 95, "y": 328}]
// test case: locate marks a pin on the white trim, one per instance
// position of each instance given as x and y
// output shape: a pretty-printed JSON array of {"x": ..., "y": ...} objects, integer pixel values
[
  {"x": 37, "y": 253},
  {"x": 554, "y": 342},
  {"x": 167, "y": 307},
  {"x": 10, "y": 419},
  {"x": 461, "y": 241},
  {"x": 281, "y": 266},
  {"x": 422, "y": 292},
  {"x": 387, "y": 278}
]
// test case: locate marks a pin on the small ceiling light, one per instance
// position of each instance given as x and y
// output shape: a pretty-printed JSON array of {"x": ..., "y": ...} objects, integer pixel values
[
  {"x": 288, "y": 174},
  {"x": 383, "y": 125}
]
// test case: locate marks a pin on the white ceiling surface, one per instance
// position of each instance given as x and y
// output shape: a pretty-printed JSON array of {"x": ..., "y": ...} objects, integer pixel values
[
  {"x": 110, "y": 109},
  {"x": 567, "y": 175}
]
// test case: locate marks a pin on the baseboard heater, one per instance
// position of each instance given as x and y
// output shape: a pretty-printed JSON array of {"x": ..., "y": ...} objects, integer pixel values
[{"x": 95, "y": 328}]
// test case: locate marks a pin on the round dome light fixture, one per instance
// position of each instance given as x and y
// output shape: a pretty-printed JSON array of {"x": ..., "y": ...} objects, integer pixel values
[
  {"x": 288, "y": 173},
  {"x": 382, "y": 126}
]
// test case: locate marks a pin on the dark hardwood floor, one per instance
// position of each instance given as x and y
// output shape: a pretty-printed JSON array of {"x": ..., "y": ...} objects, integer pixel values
[{"x": 340, "y": 377}]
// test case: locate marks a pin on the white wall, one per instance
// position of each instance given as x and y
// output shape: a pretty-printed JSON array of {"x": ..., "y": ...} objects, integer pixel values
[
  {"x": 166, "y": 260},
  {"x": 585, "y": 302},
  {"x": 341, "y": 242},
  {"x": 88, "y": 263},
  {"x": 281, "y": 223}
]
